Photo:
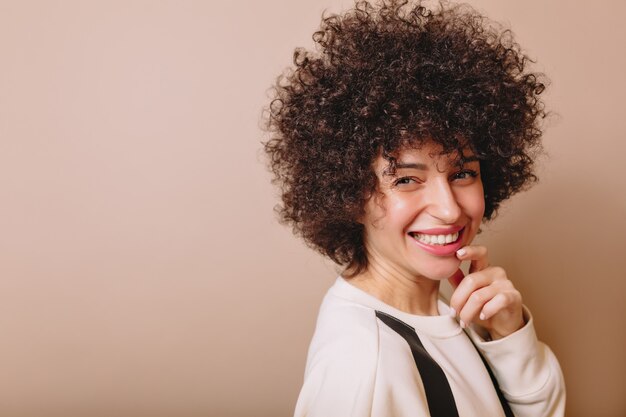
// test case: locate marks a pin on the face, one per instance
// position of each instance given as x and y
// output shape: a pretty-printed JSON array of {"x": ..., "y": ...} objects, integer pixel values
[{"x": 427, "y": 210}]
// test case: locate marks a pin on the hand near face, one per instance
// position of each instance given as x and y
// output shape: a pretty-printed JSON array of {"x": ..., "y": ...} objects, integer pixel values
[{"x": 486, "y": 296}]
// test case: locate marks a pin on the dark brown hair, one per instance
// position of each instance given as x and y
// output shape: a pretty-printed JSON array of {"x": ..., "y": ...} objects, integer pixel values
[{"x": 389, "y": 75}]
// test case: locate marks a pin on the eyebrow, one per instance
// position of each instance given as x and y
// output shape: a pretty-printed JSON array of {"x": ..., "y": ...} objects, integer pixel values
[
  {"x": 424, "y": 167},
  {"x": 470, "y": 158},
  {"x": 413, "y": 165}
]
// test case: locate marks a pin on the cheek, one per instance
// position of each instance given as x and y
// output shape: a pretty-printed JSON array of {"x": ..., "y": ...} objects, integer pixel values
[
  {"x": 474, "y": 203},
  {"x": 480, "y": 207},
  {"x": 399, "y": 211}
]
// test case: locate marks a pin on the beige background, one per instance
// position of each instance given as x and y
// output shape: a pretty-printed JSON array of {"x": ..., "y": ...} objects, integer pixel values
[{"x": 142, "y": 272}]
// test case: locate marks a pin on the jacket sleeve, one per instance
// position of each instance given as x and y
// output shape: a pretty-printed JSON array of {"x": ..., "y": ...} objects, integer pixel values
[{"x": 526, "y": 369}]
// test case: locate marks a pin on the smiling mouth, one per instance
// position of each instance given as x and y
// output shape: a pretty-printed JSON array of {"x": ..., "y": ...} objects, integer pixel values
[{"x": 437, "y": 240}]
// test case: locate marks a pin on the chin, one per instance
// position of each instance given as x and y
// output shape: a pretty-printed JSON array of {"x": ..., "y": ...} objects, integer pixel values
[{"x": 442, "y": 272}]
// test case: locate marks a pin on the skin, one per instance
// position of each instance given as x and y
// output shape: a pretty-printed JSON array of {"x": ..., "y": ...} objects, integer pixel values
[
  {"x": 429, "y": 190},
  {"x": 486, "y": 295}
]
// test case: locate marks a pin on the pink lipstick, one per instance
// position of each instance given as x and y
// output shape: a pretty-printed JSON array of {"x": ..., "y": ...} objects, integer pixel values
[{"x": 440, "y": 249}]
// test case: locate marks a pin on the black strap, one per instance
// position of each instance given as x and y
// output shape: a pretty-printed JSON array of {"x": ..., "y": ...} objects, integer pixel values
[
  {"x": 505, "y": 404},
  {"x": 438, "y": 393}
]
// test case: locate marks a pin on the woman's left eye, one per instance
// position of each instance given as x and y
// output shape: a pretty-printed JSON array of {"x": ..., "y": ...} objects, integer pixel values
[{"x": 465, "y": 174}]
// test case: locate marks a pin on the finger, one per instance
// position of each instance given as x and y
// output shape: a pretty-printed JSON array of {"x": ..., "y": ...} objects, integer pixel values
[
  {"x": 477, "y": 254},
  {"x": 472, "y": 282},
  {"x": 506, "y": 315},
  {"x": 501, "y": 301},
  {"x": 466, "y": 287},
  {"x": 472, "y": 309},
  {"x": 456, "y": 278}
]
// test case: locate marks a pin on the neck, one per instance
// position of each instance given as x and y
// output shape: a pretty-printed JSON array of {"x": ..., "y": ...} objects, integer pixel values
[{"x": 411, "y": 294}]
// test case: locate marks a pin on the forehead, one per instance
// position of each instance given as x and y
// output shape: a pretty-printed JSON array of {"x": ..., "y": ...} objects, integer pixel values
[{"x": 424, "y": 156}]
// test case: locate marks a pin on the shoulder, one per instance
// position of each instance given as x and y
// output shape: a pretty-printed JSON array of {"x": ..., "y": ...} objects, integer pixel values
[
  {"x": 342, "y": 361},
  {"x": 345, "y": 327}
]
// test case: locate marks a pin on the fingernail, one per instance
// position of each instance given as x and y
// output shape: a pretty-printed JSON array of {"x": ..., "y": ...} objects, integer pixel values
[
  {"x": 452, "y": 312},
  {"x": 461, "y": 252},
  {"x": 462, "y": 323},
  {"x": 482, "y": 316}
]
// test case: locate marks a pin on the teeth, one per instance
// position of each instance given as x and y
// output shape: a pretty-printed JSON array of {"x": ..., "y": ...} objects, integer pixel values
[{"x": 436, "y": 239}]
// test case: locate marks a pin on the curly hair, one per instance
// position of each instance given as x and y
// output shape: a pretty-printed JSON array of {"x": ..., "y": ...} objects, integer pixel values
[{"x": 389, "y": 75}]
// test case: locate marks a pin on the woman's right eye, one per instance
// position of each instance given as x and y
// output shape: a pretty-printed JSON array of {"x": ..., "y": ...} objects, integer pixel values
[
  {"x": 406, "y": 183},
  {"x": 403, "y": 180}
]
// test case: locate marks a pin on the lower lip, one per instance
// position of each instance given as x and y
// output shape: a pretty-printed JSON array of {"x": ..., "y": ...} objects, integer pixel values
[{"x": 442, "y": 250}]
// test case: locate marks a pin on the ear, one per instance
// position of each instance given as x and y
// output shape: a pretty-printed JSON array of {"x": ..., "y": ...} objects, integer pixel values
[
  {"x": 361, "y": 215},
  {"x": 360, "y": 218}
]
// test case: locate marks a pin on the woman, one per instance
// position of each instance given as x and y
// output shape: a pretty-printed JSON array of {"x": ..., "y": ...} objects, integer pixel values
[{"x": 391, "y": 144}]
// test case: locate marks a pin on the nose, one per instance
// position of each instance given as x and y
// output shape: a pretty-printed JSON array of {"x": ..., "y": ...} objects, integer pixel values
[{"x": 442, "y": 202}]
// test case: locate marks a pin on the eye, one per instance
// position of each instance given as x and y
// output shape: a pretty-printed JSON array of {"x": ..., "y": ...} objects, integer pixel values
[
  {"x": 403, "y": 181},
  {"x": 406, "y": 183},
  {"x": 465, "y": 175}
]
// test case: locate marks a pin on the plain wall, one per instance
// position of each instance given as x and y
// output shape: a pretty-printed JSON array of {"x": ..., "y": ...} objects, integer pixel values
[{"x": 142, "y": 269}]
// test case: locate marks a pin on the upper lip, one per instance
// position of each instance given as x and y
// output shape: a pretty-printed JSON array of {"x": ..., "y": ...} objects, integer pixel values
[{"x": 438, "y": 230}]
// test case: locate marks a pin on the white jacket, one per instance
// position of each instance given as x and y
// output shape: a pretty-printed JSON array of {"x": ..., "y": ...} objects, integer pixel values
[{"x": 358, "y": 366}]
